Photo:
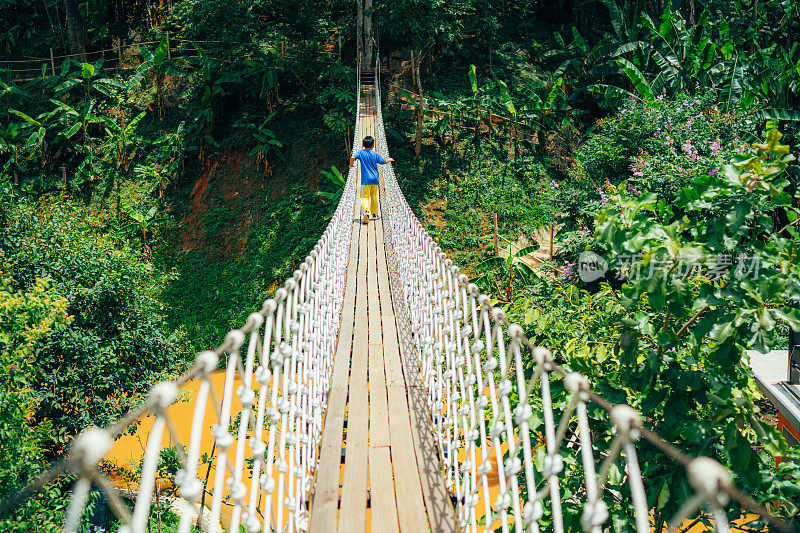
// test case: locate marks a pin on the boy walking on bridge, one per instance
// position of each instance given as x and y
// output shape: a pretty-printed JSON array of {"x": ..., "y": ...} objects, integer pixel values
[{"x": 369, "y": 159}]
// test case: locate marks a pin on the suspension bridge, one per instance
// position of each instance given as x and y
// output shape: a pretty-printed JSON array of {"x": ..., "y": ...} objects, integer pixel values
[{"x": 380, "y": 390}]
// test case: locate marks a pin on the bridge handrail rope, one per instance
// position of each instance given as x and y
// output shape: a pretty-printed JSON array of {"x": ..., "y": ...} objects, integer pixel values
[
  {"x": 285, "y": 369},
  {"x": 471, "y": 358}
]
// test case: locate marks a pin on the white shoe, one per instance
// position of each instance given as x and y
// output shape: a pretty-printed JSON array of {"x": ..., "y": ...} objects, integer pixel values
[{"x": 375, "y": 217}]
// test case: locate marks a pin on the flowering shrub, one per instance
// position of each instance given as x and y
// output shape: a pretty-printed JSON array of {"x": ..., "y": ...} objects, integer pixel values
[{"x": 662, "y": 145}]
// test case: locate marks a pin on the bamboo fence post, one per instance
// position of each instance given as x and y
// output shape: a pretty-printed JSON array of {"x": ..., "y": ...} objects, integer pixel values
[
  {"x": 119, "y": 52},
  {"x": 551, "y": 241},
  {"x": 169, "y": 54},
  {"x": 52, "y": 62}
]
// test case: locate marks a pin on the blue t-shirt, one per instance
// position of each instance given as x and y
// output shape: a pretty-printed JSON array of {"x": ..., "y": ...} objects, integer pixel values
[{"x": 370, "y": 159}]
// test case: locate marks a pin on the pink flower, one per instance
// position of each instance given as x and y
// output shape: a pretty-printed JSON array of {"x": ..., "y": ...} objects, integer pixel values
[
  {"x": 567, "y": 271},
  {"x": 638, "y": 173},
  {"x": 714, "y": 147},
  {"x": 689, "y": 149}
]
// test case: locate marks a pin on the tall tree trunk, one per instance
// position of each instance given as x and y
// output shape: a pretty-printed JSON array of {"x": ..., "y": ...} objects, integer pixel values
[
  {"x": 416, "y": 63},
  {"x": 360, "y": 27},
  {"x": 75, "y": 30},
  {"x": 369, "y": 42},
  {"x": 160, "y": 92}
]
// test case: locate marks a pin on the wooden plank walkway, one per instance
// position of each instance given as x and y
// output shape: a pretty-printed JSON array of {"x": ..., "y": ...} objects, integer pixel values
[{"x": 379, "y": 467}]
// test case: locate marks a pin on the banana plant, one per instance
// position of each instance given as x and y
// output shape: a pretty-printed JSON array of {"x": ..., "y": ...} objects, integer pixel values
[
  {"x": 266, "y": 139},
  {"x": 156, "y": 177},
  {"x": 11, "y": 144},
  {"x": 89, "y": 76},
  {"x": 117, "y": 136},
  {"x": 332, "y": 198},
  {"x": 513, "y": 266},
  {"x": 27, "y": 137},
  {"x": 152, "y": 60},
  {"x": 140, "y": 223},
  {"x": 70, "y": 121},
  {"x": 508, "y": 104}
]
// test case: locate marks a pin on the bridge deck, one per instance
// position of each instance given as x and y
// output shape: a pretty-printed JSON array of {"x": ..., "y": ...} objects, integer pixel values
[{"x": 378, "y": 465}]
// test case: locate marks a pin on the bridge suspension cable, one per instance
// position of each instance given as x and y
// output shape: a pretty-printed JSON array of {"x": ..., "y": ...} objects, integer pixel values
[{"x": 484, "y": 382}]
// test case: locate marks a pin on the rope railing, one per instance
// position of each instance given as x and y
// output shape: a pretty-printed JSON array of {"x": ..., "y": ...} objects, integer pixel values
[
  {"x": 481, "y": 395},
  {"x": 269, "y": 413},
  {"x": 482, "y": 401}
]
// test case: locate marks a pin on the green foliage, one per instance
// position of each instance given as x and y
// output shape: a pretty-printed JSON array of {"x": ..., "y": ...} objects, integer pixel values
[
  {"x": 671, "y": 341},
  {"x": 717, "y": 52},
  {"x": 513, "y": 267},
  {"x": 332, "y": 198},
  {"x": 337, "y": 98},
  {"x": 215, "y": 291},
  {"x": 215, "y": 20},
  {"x": 662, "y": 145},
  {"x": 26, "y": 317},
  {"x": 95, "y": 367}
]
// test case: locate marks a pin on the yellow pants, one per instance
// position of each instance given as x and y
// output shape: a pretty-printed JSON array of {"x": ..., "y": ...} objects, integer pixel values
[{"x": 369, "y": 199}]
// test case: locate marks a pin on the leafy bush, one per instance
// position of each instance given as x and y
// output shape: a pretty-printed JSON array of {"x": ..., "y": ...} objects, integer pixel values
[
  {"x": 26, "y": 316},
  {"x": 699, "y": 282},
  {"x": 116, "y": 345},
  {"x": 661, "y": 146}
]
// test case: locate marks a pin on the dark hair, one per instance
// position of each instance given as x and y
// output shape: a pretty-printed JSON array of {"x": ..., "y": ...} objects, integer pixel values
[{"x": 368, "y": 141}]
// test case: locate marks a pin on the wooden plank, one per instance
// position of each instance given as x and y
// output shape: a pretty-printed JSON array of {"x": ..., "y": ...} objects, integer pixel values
[
  {"x": 353, "y": 515},
  {"x": 378, "y": 416},
  {"x": 434, "y": 492},
  {"x": 391, "y": 349},
  {"x": 378, "y": 406},
  {"x": 408, "y": 490},
  {"x": 325, "y": 505},
  {"x": 326, "y": 497},
  {"x": 437, "y": 502},
  {"x": 383, "y": 504}
]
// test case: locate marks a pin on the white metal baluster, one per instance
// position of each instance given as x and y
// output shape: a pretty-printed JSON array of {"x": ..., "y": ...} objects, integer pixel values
[
  {"x": 257, "y": 445},
  {"x": 162, "y": 396},
  {"x": 270, "y": 483},
  {"x": 554, "y": 464},
  {"x": 246, "y": 395},
  {"x": 513, "y": 466},
  {"x": 531, "y": 510},
  {"x": 221, "y": 432},
  {"x": 496, "y": 428},
  {"x": 187, "y": 481}
]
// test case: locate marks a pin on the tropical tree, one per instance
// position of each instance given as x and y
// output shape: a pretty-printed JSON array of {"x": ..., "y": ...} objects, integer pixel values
[
  {"x": 141, "y": 223},
  {"x": 513, "y": 266}
]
